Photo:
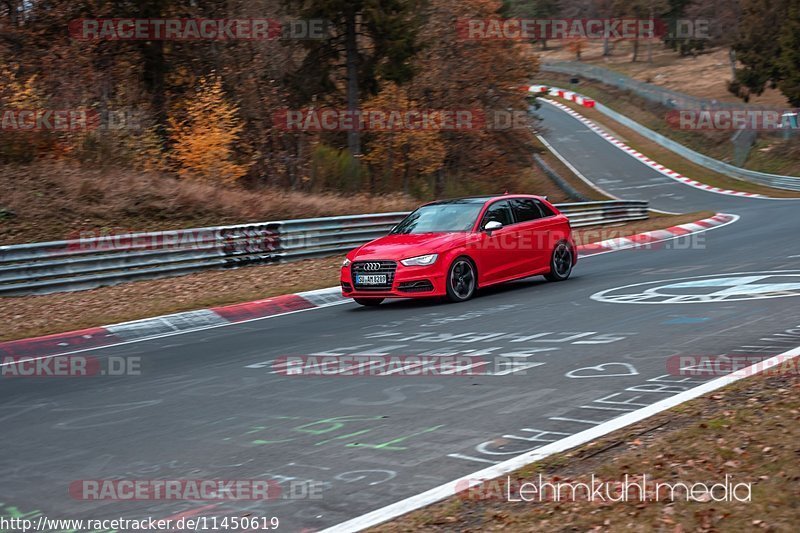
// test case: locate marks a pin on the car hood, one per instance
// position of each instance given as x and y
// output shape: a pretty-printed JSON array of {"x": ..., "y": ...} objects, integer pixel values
[{"x": 398, "y": 247}]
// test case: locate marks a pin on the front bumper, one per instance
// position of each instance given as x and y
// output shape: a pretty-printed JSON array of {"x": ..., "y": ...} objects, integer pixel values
[{"x": 408, "y": 282}]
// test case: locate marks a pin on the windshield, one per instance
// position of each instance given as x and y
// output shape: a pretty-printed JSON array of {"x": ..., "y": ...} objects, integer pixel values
[{"x": 440, "y": 218}]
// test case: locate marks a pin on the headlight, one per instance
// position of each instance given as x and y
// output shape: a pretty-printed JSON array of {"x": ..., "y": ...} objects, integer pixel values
[
  {"x": 421, "y": 260},
  {"x": 346, "y": 262}
]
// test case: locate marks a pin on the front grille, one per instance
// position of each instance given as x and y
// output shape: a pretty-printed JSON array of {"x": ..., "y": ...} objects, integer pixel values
[
  {"x": 422, "y": 285},
  {"x": 386, "y": 267}
]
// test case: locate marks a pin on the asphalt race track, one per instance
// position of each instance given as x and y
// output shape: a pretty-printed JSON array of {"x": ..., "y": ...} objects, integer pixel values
[{"x": 209, "y": 404}]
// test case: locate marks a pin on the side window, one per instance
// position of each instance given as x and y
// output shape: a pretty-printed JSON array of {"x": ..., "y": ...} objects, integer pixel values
[
  {"x": 546, "y": 211},
  {"x": 500, "y": 212},
  {"x": 526, "y": 210}
]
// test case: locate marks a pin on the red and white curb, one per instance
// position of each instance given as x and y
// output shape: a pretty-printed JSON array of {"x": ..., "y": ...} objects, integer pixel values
[
  {"x": 167, "y": 325},
  {"x": 649, "y": 238},
  {"x": 579, "y": 99},
  {"x": 646, "y": 160},
  {"x": 214, "y": 317}
]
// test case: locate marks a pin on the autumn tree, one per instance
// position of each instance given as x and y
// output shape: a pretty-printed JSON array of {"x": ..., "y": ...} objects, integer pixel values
[
  {"x": 640, "y": 9},
  {"x": 404, "y": 155},
  {"x": 413, "y": 44},
  {"x": 487, "y": 75},
  {"x": 723, "y": 16},
  {"x": 683, "y": 44},
  {"x": 788, "y": 62},
  {"x": 370, "y": 39},
  {"x": 756, "y": 46},
  {"x": 18, "y": 93},
  {"x": 531, "y": 9},
  {"x": 203, "y": 141},
  {"x": 576, "y": 46}
]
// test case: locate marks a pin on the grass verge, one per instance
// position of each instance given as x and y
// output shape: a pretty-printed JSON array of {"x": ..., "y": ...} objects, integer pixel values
[
  {"x": 748, "y": 430},
  {"x": 46, "y": 201},
  {"x": 30, "y": 316}
]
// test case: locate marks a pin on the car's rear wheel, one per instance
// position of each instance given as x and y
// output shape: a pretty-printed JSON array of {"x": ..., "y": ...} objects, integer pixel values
[
  {"x": 560, "y": 262},
  {"x": 461, "y": 280},
  {"x": 369, "y": 302}
]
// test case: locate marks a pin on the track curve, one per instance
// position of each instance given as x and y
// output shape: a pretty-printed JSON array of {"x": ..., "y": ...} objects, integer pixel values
[{"x": 207, "y": 405}]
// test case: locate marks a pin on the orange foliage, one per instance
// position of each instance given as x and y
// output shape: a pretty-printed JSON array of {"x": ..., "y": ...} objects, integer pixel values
[
  {"x": 399, "y": 156},
  {"x": 204, "y": 139},
  {"x": 481, "y": 75}
]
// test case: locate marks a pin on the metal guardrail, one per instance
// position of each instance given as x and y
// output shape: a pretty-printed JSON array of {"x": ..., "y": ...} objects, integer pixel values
[
  {"x": 40, "y": 268},
  {"x": 675, "y": 100},
  {"x": 777, "y": 181}
]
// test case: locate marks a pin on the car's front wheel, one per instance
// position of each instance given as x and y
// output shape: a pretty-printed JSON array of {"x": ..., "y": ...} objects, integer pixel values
[
  {"x": 560, "y": 263},
  {"x": 461, "y": 280},
  {"x": 369, "y": 302}
]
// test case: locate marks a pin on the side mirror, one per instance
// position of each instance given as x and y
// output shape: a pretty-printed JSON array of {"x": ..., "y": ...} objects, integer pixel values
[{"x": 492, "y": 225}]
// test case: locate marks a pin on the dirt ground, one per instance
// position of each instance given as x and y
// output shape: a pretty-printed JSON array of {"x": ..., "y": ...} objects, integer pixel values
[{"x": 705, "y": 75}]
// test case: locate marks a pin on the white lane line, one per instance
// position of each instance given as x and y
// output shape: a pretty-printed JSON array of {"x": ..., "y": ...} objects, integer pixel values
[
  {"x": 449, "y": 489},
  {"x": 587, "y": 180},
  {"x": 405, "y": 368},
  {"x": 578, "y": 420},
  {"x": 514, "y": 367},
  {"x": 574, "y": 170},
  {"x": 650, "y": 186},
  {"x": 463, "y": 368},
  {"x": 735, "y": 218},
  {"x": 322, "y": 368},
  {"x": 655, "y": 165}
]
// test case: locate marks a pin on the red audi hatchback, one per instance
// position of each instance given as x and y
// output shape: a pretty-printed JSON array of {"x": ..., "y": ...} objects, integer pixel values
[{"x": 450, "y": 248}]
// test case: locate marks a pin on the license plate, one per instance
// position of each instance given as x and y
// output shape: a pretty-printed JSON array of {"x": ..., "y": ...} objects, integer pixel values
[{"x": 371, "y": 279}]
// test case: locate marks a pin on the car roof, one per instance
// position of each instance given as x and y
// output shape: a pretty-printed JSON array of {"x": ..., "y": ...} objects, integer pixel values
[{"x": 483, "y": 199}]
